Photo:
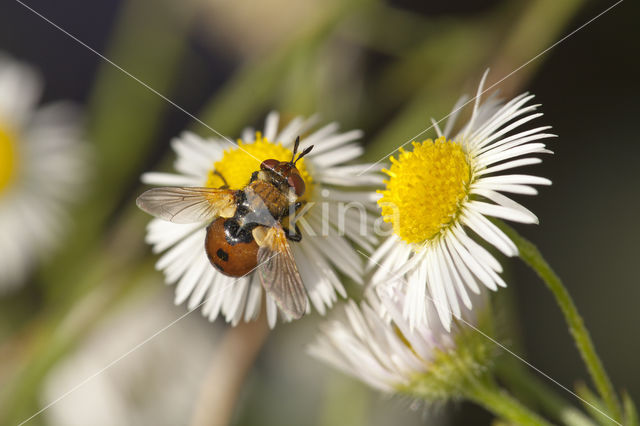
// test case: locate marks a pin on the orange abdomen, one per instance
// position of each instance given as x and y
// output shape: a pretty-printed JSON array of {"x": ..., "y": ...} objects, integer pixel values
[{"x": 233, "y": 260}]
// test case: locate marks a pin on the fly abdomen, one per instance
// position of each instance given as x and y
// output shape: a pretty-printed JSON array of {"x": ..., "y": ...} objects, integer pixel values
[{"x": 228, "y": 248}]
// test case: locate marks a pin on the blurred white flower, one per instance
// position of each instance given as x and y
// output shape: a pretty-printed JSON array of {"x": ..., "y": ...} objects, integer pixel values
[
  {"x": 155, "y": 383},
  {"x": 442, "y": 189},
  {"x": 374, "y": 343},
  {"x": 328, "y": 222},
  {"x": 42, "y": 167}
]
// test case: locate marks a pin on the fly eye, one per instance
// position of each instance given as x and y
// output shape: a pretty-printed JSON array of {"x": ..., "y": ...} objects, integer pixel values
[
  {"x": 269, "y": 164},
  {"x": 296, "y": 182}
]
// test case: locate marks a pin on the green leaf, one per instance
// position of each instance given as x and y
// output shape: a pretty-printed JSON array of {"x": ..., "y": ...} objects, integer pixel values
[
  {"x": 594, "y": 405},
  {"x": 630, "y": 412}
]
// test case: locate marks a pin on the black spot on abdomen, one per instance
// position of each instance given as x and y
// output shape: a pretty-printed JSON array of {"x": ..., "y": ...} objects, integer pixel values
[{"x": 222, "y": 255}]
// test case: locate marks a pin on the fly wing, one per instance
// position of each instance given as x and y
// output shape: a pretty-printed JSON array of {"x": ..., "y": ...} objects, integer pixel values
[
  {"x": 188, "y": 205},
  {"x": 278, "y": 271}
]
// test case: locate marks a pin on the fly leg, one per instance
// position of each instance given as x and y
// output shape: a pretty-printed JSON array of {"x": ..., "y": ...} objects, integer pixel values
[
  {"x": 226, "y": 185},
  {"x": 297, "y": 236}
]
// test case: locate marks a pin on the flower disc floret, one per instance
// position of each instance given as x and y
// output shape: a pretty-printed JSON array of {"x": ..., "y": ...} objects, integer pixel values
[
  {"x": 426, "y": 188},
  {"x": 7, "y": 157}
]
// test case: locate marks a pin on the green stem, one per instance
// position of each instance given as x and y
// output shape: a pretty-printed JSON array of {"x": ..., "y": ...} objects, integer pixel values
[
  {"x": 529, "y": 388},
  {"x": 490, "y": 396},
  {"x": 530, "y": 254}
]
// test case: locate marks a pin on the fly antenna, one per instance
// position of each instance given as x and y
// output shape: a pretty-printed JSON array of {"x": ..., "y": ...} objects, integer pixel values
[
  {"x": 303, "y": 153},
  {"x": 295, "y": 150}
]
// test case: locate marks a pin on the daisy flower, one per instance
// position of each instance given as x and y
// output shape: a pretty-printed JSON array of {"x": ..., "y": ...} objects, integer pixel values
[
  {"x": 42, "y": 166},
  {"x": 445, "y": 188},
  {"x": 124, "y": 386},
  {"x": 374, "y": 343},
  {"x": 327, "y": 226}
]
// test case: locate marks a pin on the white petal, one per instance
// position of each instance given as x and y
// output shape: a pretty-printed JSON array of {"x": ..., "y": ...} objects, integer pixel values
[
  {"x": 323, "y": 267},
  {"x": 509, "y": 165},
  {"x": 453, "y": 115},
  {"x": 320, "y": 135},
  {"x": 476, "y": 249},
  {"x": 434, "y": 124},
  {"x": 272, "y": 311},
  {"x": 334, "y": 143},
  {"x": 164, "y": 234},
  {"x": 514, "y": 189},
  {"x": 414, "y": 309},
  {"x": 331, "y": 158},
  {"x": 271, "y": 126},
  {"x": 447, "y": 282},
  {"x": 170, "y": 179},
  {"x": 515, "y": 215},
  {"x": 498, "y": 198},
  {"x": 201, "y": 288},
  {"x": 501, "y": 116},
  {"x": 438, "y": 293},
  {"x": 523, "y": 136},
  {"x": 487, "y": 230},
  {"x": 188, "y": 245},
  {"x": 462, "y": 268},
  {"x": 509, "y": 147},
  {"x": 472, "y": 264},
  {"x": 254, "y": 300},
  {"x": 530, "y": 148},
  {"x": 295, "y": 128},
  {"x": 381, "y": 251},
  {"x": 248, "y": 134},
  {"x": 485, "y": 142},
  {"x": 455, "y": 275},
  {"x": 189, "y": 280},
  {"x": 517, "y": 180},
  {"x": 476, "y": 104}
]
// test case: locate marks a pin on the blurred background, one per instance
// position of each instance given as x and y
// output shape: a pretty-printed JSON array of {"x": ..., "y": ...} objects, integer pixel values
[{"x": 382, "y": 66}]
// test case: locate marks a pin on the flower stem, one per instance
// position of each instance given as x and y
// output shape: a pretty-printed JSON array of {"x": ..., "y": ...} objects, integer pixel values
[
  {"x": 530, "y": 254},
  {"x": 487, "y": 394},
  {"x": 229, "y": 368},
  {"x": 529, "y": 388}
]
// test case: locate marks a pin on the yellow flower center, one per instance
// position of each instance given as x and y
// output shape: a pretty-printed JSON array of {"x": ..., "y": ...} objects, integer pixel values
[
  {"x": 238, "y": 164},
  {"x": 8, "y": 156},
  {"x": 425, "y": 189}
]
